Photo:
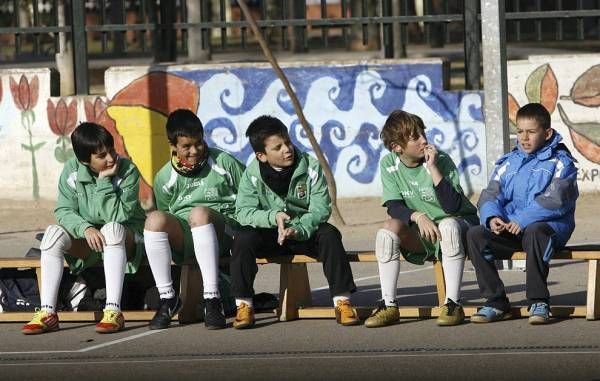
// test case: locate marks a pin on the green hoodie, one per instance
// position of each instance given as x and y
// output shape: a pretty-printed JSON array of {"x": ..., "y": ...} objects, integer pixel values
[
  {"x": 307, "y": 201},
  {"x": 85, "y": 201}
]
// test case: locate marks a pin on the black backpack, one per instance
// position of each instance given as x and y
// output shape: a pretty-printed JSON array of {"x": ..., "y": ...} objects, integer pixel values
[{"x": 19, "y": 290}]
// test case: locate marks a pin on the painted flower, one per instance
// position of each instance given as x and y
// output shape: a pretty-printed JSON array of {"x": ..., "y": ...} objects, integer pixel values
[
  {"x": 62, "y": 118},
  {"x": 25, "y": 93}
]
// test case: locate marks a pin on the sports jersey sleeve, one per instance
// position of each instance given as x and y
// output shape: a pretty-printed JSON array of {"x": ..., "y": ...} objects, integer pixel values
[
  {"x": 116, "y": 197},
  {"x": 67, "y": 208},
  {"x": 389, "y": 184},
  {"x": 248, "y": 208},
  {"x": 448, "y": 190},
  {"x": 556, "y": 200},
  {"x": 319, "y": 208},
  {"x": 162, "y": 195}
]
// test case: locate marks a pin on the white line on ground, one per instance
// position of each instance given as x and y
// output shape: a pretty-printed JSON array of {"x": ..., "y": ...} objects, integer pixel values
[
  {"x": 300, "y": 357},
  {"x": 88, "y": 349},
  {"x": 376, "y": 276}
]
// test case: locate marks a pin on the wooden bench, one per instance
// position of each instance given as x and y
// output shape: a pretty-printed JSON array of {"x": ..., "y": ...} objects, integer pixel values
[{"x": 295, "y": 301}]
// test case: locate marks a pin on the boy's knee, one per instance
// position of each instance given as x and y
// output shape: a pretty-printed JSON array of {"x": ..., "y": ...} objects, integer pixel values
[
  {"x": 200, "y": 215},
  {"x": 114, "y": 233},
  {"x": 537, "y": 229},
  {"x": 55, "y": 237},
  {"x": 387, "y": 246},
  {"x": 476, "y": 232},
  {"x": 396, "y": 226},
  {"x": 328, "y": 231},
  {"x": 451, "y": 243},
  {"x": 156, "y": 221},
  {"x": 246, "y": 237}
]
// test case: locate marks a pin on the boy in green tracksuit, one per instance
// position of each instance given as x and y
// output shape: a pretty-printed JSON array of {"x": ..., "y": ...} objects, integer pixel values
[
  {"x": 195, "y": 196},
  {"x": 99, "y": 217},
  {"x": 429, "y": 216},
  {"x": 283, "y": 204}
]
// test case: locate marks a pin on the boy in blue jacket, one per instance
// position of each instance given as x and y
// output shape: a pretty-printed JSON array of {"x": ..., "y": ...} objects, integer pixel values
[{"x": 529, "y": 205}]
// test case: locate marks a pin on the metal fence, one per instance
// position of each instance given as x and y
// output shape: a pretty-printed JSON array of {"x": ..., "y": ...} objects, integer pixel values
[{"x": 162, "y": 29}]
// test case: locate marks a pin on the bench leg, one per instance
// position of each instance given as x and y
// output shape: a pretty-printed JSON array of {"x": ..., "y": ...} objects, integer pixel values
[
  {"x": 440, "y": 282},
  {"x": 190, "y": 289},
  {"x": 294, "y": 290},
  {"x": 593, "y": 291}
]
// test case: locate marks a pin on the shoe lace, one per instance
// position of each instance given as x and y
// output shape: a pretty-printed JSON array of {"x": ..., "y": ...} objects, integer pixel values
[
  {"x": 539, "y": 308},
  {"x": 345, "y": 308},
  {"x": 450, "y": 306},
  {"x": 110, "y": 316},
  {"x": 38, "y": 316}
]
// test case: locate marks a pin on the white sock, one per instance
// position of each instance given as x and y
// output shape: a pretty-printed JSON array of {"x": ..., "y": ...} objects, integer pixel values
[
  {"x": 388, "y": 276},
  {"x": 342, "y": 296},
  {"x": 52, "y": 269},
  {"x": 248, "y": 301},
  {"x": 453, "y": 273},
  {"x": 158, "y": 252},
  {"x": 206, "y": 248},
  {"x": 115, "y": 259}
]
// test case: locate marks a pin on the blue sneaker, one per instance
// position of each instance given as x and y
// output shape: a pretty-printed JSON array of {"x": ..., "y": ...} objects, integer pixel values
[
  {"x": 489, "y": 314},
  {"x": 539, "y": 313}
]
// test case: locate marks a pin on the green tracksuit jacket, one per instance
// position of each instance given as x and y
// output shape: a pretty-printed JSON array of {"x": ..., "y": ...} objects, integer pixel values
[{"x": 307, "y": 201}]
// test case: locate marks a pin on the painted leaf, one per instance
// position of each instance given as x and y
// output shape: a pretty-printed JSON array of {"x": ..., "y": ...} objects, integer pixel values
[
  {"x": 542, "y": 87},
  {"x": 513, "y": 107},
  {"x": 586, "y": 89},
  {"x": 59, "y": 155},
  {"x": 585, "y": 136}
]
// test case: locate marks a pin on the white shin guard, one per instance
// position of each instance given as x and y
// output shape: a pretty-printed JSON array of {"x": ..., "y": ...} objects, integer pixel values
[
  {"x": 453, "y": 255},
  {"x": 115, "y": 259},
  {"x": 387, "y": 251},
  {"x": 55, "y": 244}
]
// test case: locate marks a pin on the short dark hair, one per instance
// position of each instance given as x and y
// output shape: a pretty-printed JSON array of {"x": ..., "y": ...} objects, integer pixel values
[
  {"x": 89, "y": 138},
  {"x": 536, "y": 112},
  {"x": 183, "y": 122},
  {"x": 400, "y": 127},
  {"x": 262, "y": 128}
]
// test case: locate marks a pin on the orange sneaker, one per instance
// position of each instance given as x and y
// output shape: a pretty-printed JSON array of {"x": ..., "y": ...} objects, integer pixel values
[
  {"x": 43, "y": 321},
  {"x": 244, "y": 317},
  {"x": 344, "y": 313},
  {"x": 112, "y": 321}
]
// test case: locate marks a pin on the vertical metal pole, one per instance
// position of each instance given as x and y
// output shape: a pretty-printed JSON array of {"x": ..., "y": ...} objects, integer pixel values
[
  {"x": 117, "y": 16},
  {"x": 388, "y": 30},
  {"x": 472, "y": 51},
  {"x": 300, "y": 38},
  {"x": 80, "y": 60},
  {"x": 493, "y": 31}
]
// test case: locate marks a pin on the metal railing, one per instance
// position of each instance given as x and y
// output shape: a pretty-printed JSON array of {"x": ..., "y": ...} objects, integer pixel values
[{"x": 160, "y": 29}]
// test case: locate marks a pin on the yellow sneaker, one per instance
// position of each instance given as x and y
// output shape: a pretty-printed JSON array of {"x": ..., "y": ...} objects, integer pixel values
[
  {"x": 344, "y": 313},
  {"x": 43, "y": 321},
  {"x": 383, "y": 316},
  {"x": 244, "y": 317},
  {"x": 112, "y": 321}
]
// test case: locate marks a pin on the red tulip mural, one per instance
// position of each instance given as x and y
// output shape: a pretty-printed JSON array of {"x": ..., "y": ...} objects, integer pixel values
[
  {"x": 62, "y": 120},
  {"x": 25, "y": 96}
]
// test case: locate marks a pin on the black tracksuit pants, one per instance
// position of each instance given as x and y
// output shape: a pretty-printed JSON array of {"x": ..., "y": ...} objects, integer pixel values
[
  {"x": 485, "y": 246},
  {"x": 325, "y": 245}
]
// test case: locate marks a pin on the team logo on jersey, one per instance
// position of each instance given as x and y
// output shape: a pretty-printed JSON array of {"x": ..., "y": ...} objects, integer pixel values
[
  {"x": 427, "y": 194},
  {"x": 211, "y": 194},
  {"x": 301, "y": 190}
]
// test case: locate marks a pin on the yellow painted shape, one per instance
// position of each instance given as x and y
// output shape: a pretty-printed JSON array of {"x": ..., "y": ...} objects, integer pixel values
[{"x": 145, "y": 136}]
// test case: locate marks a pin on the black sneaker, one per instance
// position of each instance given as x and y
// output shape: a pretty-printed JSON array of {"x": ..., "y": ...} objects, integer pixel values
[
  {"x": 167, "y": 309},
  {"x": 213, "y": 314}
]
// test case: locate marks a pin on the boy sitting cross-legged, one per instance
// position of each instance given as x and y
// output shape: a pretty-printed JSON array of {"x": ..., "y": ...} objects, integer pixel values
[
  {"x": 529, "y": 205},
  {"x": 429, "y": 213},
  {"x": 195, "y": 196},
  {"x": 283, "y": 204},
  {"x": 99, "y": 217}
]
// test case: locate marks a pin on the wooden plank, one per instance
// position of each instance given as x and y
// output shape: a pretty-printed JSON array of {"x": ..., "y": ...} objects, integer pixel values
[
  {"x": 294, "y": 290},
  {"x": 191, "y": 290},
  {"x": 440, "y": 282},
  {"x": 593, "y": 291}
]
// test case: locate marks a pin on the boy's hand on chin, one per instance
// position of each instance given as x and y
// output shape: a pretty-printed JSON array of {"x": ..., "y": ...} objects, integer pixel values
[
  {"x": 109, "y": 172},
  {"x": 431, "y": 154}
]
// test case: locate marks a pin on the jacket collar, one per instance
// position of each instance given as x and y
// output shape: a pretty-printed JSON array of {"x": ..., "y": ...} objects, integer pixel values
[
  {"x": 544, "y": 153},
  {"x": 84, "y": 175}
]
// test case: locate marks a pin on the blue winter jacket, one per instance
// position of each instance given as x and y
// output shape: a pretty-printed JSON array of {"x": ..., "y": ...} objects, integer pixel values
[{"x": 528, "y": 188}]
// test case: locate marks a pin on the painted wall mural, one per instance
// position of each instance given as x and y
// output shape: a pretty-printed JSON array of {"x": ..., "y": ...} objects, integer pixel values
[
  {"x": 571, "y": 93},
  {"x": 346, "y": 106}
]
